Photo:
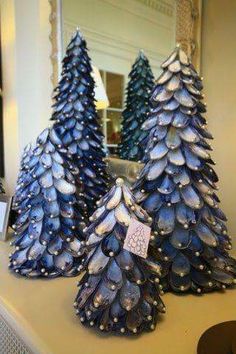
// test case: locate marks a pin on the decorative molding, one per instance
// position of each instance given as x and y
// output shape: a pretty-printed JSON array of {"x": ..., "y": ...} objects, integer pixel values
[
  {"x": 124, "y": 49},
  {"x": 188, "y": 28},
  {"x": 188, "y": 31},
  {"x": 104, "y": 43},
  {"x": 56, "y": 39},
  {"x": 149, "y": 15},
  {"x": 159, "y": 5}
]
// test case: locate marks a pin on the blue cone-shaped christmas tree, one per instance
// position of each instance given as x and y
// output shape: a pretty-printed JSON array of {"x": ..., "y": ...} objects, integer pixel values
[
  {"x": 177, "y": 184},
  {"x": 77, "y": 122},
  {"x": 117, "y": 292},
  {"x": 48, "y": 229},
  {"x": 25, "y": 159},
  {"x": 137, "y": 108}
]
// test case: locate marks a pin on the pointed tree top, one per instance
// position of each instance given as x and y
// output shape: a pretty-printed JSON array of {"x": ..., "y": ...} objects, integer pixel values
[
  {"x": 119, "y": 181},
  {"x": 141, "y": 52},
  {"x": 118, "y": 206},
  {"x": 77, "y": 33},
  {"x": 141, "y": 55},
  {"x": 76, "y": 38},
  {"x": 178, "y": 55}
]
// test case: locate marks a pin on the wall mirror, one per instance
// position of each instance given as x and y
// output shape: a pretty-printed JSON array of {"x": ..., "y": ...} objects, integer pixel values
[{"x": 115, "y": 31}]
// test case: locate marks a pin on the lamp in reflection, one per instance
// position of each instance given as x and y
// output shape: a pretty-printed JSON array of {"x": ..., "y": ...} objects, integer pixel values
[{"x": 100, "y": 92}]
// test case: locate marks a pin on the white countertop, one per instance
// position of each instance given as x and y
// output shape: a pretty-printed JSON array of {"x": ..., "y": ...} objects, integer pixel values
[{"x": 42, "y": 313}]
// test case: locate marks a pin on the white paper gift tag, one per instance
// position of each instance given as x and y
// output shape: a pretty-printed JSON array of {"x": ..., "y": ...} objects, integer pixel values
[{"x": 137, "y": 238}]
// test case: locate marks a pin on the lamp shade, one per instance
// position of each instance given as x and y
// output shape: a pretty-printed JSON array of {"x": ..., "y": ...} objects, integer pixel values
[{"x": 100, "y": 93}]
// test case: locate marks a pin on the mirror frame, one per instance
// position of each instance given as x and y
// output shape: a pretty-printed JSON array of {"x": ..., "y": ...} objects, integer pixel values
[{"x": 188, "y": 32}]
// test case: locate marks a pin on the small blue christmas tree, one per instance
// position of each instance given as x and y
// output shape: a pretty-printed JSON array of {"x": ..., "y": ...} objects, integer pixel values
[
  {"x": 137, "y": 108},
  {"x": 48, "y": 228},
  {"x": 117, "y": 292}
]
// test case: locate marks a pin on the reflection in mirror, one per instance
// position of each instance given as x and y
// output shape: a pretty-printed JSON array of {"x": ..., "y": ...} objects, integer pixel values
[
  {"x": 111, "y": 117},
  {"x": 115, "y": 32}
]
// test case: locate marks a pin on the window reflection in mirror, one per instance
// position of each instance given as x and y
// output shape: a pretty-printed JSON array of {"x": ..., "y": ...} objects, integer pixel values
[{"x": 111, "y": 117}]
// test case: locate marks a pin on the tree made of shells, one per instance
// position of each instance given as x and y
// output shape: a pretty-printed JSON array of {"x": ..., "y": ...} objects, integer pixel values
[
  {"x": 117, "y": 292},
  {"x": 177, "y": 185},
  {"x": 25, "y": 158},
  {"x": 77, "y": 122},
  {"x": 49, "y": 224},
  {"x": 137, "y": 107}
]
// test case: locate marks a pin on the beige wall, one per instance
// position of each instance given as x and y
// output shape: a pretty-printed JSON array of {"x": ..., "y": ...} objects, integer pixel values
[
  {"x": 219, "y": 72},
  {"x": 26, "y": 68}
]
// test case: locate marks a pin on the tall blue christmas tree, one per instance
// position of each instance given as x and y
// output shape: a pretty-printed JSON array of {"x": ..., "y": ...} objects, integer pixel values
[
  {"x": 137, "y": 108},
  {"x": 177, "y": 184},
  {"x": 117, "y": 292},
  {"x": 77, "y": 122},
  {"x": 50, "y": 221}
]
